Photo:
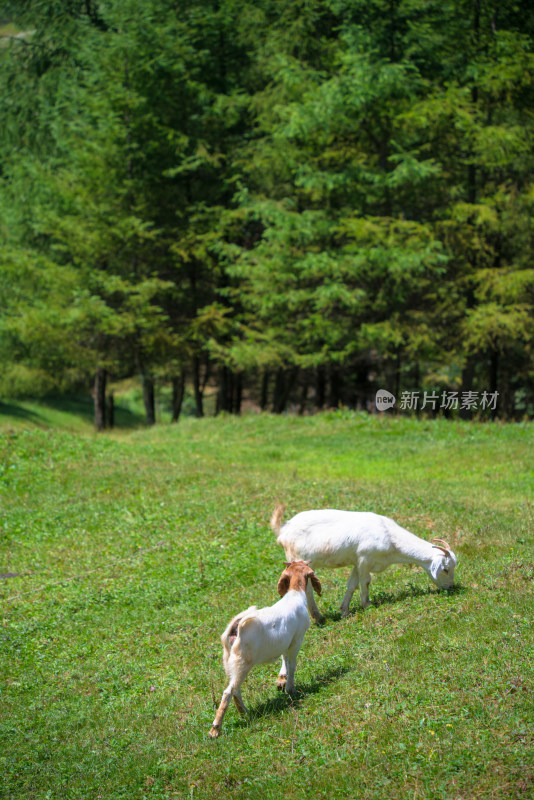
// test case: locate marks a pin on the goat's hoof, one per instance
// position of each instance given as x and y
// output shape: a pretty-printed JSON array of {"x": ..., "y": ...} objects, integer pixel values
[{"x": 214, "y": 733}]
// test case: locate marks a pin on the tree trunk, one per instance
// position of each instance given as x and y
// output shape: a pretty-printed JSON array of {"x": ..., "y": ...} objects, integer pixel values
[
  {"x": 221, "y": 392},
  {"x": 468, "y": 374},
  {"x": 336, "y": 388},
  {"x": 225, "y": 394},
  {"x": 199, "y": 401},
  {"x": 230, "y": 391},
  {"x": 494, "y": 370},
  {"x": 303, "y": 397},
  {"x": 111, "y": 410},
  {"x": 283, "y": 385},
  {"x": 494, "y": 378},
  {"x": 237, "y": 393},
  {"x": 320, "y": 388},
  {"x": 178, "y": 389},
  {"x": 264, "y": 397},
  {"x": 361, "y": 388},
  {"x": 99, "y": 394},
  {"x": 148, "y": 399},
  {"x": 278, "y": 391},
  {"x": 398, "y": 362}
]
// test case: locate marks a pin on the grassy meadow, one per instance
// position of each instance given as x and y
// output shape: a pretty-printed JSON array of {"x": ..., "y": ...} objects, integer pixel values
[{"x": 128, "y": 553}]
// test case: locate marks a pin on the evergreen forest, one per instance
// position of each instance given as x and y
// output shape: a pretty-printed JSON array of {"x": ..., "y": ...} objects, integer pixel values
[{"x": 292, "y": 203}]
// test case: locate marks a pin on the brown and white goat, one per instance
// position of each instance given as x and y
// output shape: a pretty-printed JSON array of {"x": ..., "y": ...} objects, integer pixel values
[{"x": 256, "y": 636}]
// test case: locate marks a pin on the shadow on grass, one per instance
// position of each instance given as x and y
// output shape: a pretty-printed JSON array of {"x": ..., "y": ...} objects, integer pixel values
[
  {"x": 80, "y": 406},
  {"x": 390, "y": 598},
  {"x": 125, "y": 418},
  {"x": 331, "y": 616},
  {"x": 14, "y": 410},
  {"x": 281, "y": 701},
  {"x": 77, "y": 405}
]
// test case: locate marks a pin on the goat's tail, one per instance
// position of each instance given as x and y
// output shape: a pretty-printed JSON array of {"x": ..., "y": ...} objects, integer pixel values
[
  {"x": 232, "y": 630},
  {"x": 276, "y": 519}
]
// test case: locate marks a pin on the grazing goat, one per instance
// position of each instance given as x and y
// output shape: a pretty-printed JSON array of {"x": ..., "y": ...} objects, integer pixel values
[
  {"x": 256, "y": 636},
  {"x": 368, "y": 542}
]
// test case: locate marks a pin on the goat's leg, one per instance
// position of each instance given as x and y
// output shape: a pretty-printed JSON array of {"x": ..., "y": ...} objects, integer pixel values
[
  {"x": 232, "y": 690},
  {"x": 291, "y": 667},
  {"x": 282, "y": 676},
  {"x": 352, "y": 585},
  {"x": 221, "y": 711},
  {"x": 312, "y": 605},
  {"x": 238, "y": 700},
  {"x": 291, "y": 662},
  {"x": 365, "y": 580}
]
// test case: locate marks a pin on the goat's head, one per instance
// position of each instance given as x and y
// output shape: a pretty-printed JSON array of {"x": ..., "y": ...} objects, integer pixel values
[
  {"x": 295, "y": 576},
  {"x": 443, "y": 565}
]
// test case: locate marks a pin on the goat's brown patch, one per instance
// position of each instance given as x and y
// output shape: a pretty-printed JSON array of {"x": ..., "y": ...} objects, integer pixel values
[{"x": 295, "y": 577}]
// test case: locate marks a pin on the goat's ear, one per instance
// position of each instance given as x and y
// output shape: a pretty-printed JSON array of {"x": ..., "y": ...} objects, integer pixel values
[
  {"x": 436, "y": 566},
  {"x": 316, "y": 583},
  {"x": 283, "y": 583}
]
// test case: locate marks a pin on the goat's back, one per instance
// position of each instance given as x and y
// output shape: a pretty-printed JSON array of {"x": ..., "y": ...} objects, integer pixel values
[
  {"x": 333, "y": 538},
  {"x": 265, "y": 634}
]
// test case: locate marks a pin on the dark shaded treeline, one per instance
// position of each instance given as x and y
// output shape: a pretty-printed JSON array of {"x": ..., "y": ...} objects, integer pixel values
[{"x": 295, "y": 202}]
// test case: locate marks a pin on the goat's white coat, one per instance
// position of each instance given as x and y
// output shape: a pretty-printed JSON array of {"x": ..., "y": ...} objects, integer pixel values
[
  {"x": 369, "y": 542},
  {"x": 257, "y": 636}
]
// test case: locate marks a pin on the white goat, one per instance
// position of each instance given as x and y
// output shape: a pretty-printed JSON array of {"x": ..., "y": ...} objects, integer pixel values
[
  {"x": 368, "y": 542},
  {"x": 256, "y": 636}
]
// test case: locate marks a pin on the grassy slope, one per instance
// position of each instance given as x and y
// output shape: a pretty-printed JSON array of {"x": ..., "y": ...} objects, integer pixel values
[{"x": 133, "y": 550}]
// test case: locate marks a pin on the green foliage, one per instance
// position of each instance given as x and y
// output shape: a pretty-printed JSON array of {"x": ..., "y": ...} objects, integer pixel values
[{"x": 339, "y": 186}]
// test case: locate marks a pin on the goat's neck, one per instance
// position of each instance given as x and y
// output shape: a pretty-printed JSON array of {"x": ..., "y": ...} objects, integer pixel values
[
  {"x": 413, "y": 550},
  {"x": 295, "y": 596}
]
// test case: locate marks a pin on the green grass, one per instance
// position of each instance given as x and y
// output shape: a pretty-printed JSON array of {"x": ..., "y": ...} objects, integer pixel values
[
  {"x": 132, "y": 550},
  {"x": 8, "y": 29}
]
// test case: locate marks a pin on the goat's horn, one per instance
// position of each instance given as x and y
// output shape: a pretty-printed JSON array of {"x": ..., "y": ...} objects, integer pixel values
[
  {"x": 439, "y": 547},
  {"x": 445, "y": 546},
  {"x": 442, "y": 542}
]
